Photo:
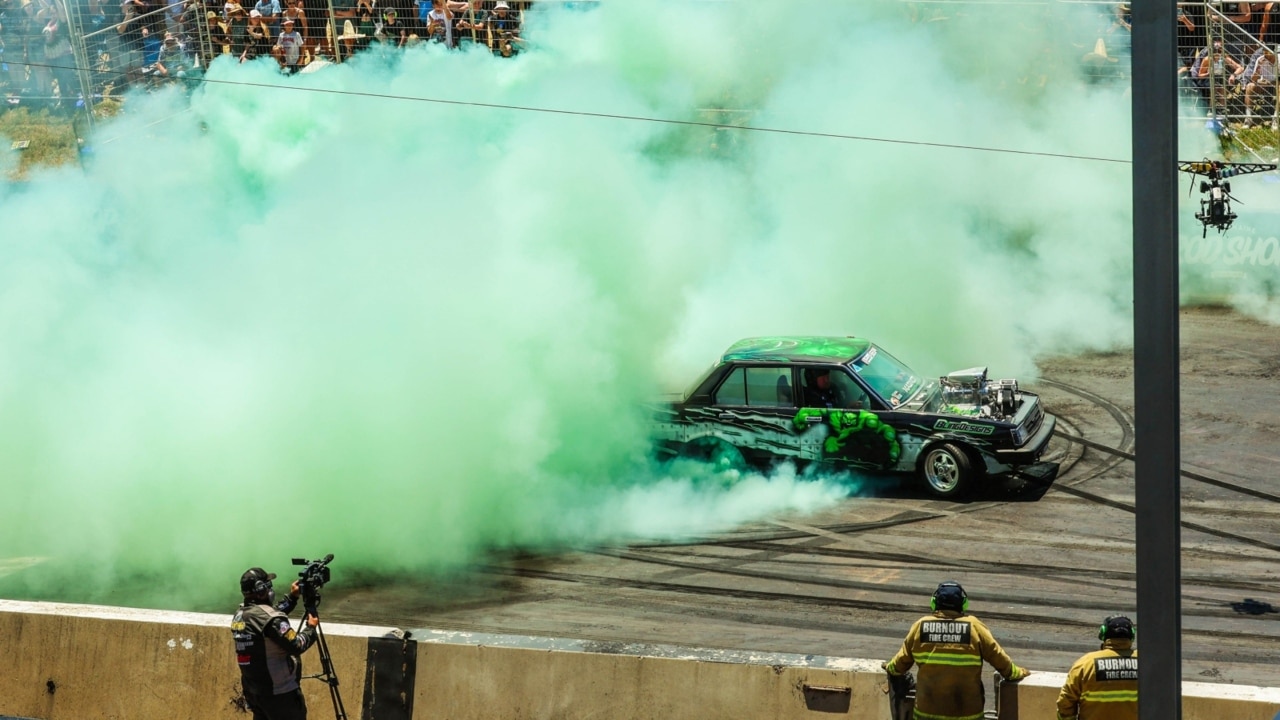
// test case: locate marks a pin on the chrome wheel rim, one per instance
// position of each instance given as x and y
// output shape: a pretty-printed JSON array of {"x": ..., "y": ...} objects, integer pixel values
[{"x": 942, "y": 471}]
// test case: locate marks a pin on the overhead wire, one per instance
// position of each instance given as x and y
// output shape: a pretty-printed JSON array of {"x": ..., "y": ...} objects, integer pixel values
[{"x": 621, "y": 116}]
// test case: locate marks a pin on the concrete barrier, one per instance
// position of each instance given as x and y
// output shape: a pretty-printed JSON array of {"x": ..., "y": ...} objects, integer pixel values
[
  {"x": 81, "y": 662},
  {"x": 1037, "y": 697},
  {"x": 85, "y": 662},
  {"x": 473, "y": 676}
]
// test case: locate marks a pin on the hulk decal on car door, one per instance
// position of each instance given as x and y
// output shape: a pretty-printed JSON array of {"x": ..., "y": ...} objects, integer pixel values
[{"x": 857, "y": 436}]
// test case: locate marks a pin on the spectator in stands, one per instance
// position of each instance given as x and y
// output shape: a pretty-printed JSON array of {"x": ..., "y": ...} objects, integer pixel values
[
  {"x": 344, "y": 10},
  {"x": 172, "y": 61},
  {"x": 1123, "y": 16},
  {"x": 1189, "y": 78},
  {"x": 269, "y": 11},
  {"x": 471, "y": 25},
  {"x": 423, "y": 16},
  {"x": 257, "y": 37},
  {"x": 62, "y": 64},
  {"x": 368, "y": 25},
  {"x": 1260, "y": 87},
  {"x": 237, "y": 18},
  {"x": 1268, "y": 32},
  {"x": 502, "y": 20},
  {"x": 950, "y": 646},
  {"x": 129, "y": 30},
  {"x": 1103, "y": 685},
  {"x": 13, "y": 30},
  {"x": 508, "y": 45},
  {"x": 173, "y": 15},
  {"x": 298, "y": 15},
  {"x": 1221, "y": 74},
  {"x": 219, "y": 34},
  {"x": 440, "y": 23},
  {"x": 288, "y": 47},
  {"x": 391, "y": 31},
  {"x": 1187, "y": 37}
]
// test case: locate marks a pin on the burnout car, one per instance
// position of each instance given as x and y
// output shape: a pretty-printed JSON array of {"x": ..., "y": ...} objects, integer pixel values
[{"x": 766, "y": 402}]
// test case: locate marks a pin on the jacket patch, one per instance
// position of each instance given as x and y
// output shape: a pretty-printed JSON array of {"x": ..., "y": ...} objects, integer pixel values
[
  {"x": 940, "y": 631},
  {"x": 1116, "y": 668}
]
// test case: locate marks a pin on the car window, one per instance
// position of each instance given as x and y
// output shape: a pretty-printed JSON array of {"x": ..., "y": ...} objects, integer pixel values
[
  {"x": 733, "y": 391},
  {"x": 850, "y": 393},
  {"x": 769, "y": 387},
  {"x": 757, "y": 387}
]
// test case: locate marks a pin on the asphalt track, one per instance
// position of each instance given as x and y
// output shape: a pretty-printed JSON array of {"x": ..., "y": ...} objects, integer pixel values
[{"x": 1043, "y": 564}]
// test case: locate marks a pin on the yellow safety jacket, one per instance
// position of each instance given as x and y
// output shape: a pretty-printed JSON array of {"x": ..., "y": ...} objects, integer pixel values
[
  {"x": 949, "y": 647},
  {"x": 1102, "y": 685}
]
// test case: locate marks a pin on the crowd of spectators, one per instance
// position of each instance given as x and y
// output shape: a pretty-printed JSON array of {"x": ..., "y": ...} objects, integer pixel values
[
  {"x": 1226, "y": 58},
  {"x": 36, "y": 32},
  {"x": 159, "y": 41}
]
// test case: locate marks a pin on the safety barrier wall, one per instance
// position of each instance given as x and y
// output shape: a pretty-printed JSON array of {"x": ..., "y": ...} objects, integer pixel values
[
  {"x": 81, "y": 662},
  {"x": 1037, "y": 697},
  {"x": 77, "y": 662}
]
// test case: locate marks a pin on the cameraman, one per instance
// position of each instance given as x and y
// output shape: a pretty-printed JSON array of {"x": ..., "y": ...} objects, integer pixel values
[{"x": 267, "y": 649}]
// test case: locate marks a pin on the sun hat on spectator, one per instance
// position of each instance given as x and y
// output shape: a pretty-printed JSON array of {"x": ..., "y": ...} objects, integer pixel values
[
  {"x": 502, "y": 6},
  {"x": 349, "y": 32},
  {"x": 255, "y": 13},
  {"x": 210, "y": 15}
]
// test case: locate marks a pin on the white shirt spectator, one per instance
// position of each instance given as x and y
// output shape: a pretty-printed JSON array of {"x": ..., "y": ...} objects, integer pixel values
[{"x": 290, "y": 44}]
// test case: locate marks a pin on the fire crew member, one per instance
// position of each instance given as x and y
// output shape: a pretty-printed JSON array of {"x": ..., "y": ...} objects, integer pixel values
[
  {"x": 949, "y": 646},
  {"x": 1103, "y": 685},
  {"x": 267, "y": 649}
]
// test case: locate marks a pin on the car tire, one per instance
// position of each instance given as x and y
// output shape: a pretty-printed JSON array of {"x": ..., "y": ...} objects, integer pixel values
[
  {"x": 946, "y": 470},
  {"x": 719, "y": 454}
]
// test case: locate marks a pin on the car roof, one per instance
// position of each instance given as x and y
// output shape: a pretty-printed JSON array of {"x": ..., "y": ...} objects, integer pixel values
[{"x": 797, "y": 348}]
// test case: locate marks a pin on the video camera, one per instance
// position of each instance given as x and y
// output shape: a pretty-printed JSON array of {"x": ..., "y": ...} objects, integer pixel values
[{"x": 311, "y": 579}]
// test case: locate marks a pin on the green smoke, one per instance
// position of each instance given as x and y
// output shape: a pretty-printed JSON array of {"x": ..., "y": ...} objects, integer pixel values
[{"x": 280, "y": 322}]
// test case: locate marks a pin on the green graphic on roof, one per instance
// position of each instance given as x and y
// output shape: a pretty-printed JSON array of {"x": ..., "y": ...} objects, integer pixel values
[{"x": 797, "y": 348}]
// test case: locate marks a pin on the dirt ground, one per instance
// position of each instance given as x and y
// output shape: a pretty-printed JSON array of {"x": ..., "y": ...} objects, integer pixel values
[{"x": 1042, "y": 564}]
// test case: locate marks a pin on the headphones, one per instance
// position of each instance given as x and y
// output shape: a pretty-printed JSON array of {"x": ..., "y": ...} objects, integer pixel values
[
  {"x": 255, "y": 581},
  {"x": 949, "y": 587},
  {"x": 1117, "y": 627}
]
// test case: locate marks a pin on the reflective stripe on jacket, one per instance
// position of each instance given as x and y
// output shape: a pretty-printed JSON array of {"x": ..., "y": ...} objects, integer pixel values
[
  {"x": 950, "y": 648},
  {"x": 1102, "y": 685}
]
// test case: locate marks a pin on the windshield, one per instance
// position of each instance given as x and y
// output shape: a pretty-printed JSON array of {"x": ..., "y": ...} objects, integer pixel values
[{"x": 887, "y": 376}]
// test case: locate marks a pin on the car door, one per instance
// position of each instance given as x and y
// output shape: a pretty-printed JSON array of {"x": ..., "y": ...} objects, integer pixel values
[
  {"x": 755, "y": 411},
  {"x": 856, "y": 433}
]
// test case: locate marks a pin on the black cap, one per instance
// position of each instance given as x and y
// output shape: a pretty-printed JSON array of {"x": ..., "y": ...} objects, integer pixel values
[
  {"x": 1118, "y": 627},
  {"x": 251, "y": 577}
]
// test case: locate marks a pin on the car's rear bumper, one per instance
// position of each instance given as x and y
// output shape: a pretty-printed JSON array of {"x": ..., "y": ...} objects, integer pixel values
[{"x": 1033, "y": 449}]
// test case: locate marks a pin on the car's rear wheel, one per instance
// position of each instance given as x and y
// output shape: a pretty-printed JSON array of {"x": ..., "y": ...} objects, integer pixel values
[
  {"x": 947, "y": 470},
  {"x": 716, "y": 453}
]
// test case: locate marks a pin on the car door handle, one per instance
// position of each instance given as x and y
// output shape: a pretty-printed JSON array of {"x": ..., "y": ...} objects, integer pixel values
[
  {"x": 725, "y": 416},
  {"x": 813, "y": 419}
]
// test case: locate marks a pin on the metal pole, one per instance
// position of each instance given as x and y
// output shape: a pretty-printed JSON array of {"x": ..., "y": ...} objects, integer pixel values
[
  {"x": 1155, "y": 358},
  {"x": 80, "y": 55},
  {"x": 334, "y": 32}
]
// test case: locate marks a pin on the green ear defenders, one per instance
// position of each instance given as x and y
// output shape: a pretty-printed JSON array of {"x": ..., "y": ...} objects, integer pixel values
[
  {"x": 1116, "y": 627},
  {"x": 949, "y": 596}
]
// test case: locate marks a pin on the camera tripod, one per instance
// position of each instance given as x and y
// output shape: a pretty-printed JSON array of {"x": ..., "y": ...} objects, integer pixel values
[{"x": 327, "y": 673}]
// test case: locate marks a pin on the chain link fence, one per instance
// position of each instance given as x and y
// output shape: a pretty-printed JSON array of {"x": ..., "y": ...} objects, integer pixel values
[{"x": 73, "y": 54}]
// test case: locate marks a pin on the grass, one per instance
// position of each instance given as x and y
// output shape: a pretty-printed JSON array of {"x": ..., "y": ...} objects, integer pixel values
[{"x": 52, "y": 139}]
